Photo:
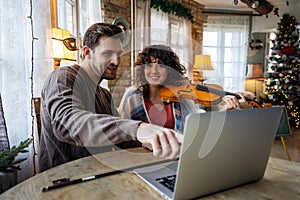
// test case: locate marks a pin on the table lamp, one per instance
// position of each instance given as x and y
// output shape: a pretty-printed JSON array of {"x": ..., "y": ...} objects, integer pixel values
[
  {"x": 63, "y": 46},
  {"x": 202, "y": 62},
  {"x": 255, "y": 71}
]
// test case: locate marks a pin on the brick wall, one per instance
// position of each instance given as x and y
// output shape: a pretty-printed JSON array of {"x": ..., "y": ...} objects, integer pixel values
[
  {"x": 110, "y": 10},
  {"x": 197, "y": 25},
  {"x": 114, "y": 8}
]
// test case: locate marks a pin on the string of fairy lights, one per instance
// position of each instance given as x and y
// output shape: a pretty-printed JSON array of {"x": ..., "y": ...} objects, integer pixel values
[{"x": 33, "y": 40}]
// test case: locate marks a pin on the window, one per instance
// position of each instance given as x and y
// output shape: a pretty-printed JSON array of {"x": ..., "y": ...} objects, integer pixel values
[
  {"x": 225, "y": 39},
  {"x": 160, "y": 33},
  {"x": 171, "y": 31},
  {"x": 75, "y": 16},
  {"x": 84, "y": 15},
  {"x": 66, "y": 15},
  {"x": 175, "y": 40},
  {"x": 87, "y": 15},
  {"x": 156, "y": 27}
]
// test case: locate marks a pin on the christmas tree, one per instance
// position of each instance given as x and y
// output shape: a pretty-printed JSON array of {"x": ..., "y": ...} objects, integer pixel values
[{"x": 282, "y": 77}]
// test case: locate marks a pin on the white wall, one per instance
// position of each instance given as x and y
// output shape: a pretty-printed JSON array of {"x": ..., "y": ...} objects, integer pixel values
[{"x": 263, "y": 24}]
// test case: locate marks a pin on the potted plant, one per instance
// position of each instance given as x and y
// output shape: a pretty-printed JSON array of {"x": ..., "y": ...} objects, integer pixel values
[{"x": 9, "y": 165}]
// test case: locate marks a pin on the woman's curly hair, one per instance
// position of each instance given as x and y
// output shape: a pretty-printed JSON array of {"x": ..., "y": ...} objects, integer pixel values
[{"x": 167, "y": 57}]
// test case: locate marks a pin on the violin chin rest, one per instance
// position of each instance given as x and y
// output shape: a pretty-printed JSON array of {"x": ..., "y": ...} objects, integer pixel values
[{"x": 165, "y": 102}]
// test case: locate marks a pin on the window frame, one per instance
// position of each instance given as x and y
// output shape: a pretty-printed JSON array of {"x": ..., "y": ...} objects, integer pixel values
[
  {"x": 62, "y": 18},
  {"x": 226, "y": 79}
]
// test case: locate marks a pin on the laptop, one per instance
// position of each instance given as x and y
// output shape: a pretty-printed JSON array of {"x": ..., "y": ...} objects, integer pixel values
[{"x": 220, "y": 150}]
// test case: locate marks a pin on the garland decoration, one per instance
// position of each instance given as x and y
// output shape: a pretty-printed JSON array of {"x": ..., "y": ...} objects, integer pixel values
[{"x": 174, "y": 8}]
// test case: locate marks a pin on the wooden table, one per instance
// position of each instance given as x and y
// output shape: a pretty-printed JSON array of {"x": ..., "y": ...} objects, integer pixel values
[{"x": 281, "y": 180}]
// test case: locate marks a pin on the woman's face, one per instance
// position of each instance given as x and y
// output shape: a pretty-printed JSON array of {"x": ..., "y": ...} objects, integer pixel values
[{"x": 155, "y": 73}]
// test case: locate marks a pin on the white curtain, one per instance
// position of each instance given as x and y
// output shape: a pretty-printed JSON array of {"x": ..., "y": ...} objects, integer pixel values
[
  {"x": 225, "y": 38},
  {"x": 24, "y": 65},
  {"x": 157, "y": 27},
  {"x": 159, "y": 22},
  {"x": 142, "y": 25},
  {"x": 185, "y": 47},
  {"x": 95, "y": 14},
  {"x": 90, "y": 13}
]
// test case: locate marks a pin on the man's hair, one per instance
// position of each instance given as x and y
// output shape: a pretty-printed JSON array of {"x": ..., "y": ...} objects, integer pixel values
[{"x": 98, "y": 30}]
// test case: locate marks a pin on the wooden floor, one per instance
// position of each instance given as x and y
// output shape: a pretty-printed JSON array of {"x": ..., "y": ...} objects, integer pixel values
[{"x": 293, "y": 145}]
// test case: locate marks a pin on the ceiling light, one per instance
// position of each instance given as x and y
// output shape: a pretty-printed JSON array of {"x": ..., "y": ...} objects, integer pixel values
[
  {"x": 260, "y": 6},
  {"x": 255, "y": 4}
]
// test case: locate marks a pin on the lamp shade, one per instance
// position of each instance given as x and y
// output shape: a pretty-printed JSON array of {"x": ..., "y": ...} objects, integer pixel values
[
  {"x": 255, "y": 71},
  {"x": 202, "y": 62},
  {"x": 59, "y": 50}
]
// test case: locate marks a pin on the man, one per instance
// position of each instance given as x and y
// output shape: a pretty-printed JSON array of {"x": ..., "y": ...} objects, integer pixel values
[{"x": 78, "y": 116}]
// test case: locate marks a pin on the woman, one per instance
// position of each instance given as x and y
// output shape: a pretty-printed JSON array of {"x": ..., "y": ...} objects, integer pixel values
[{"x": 158, "y": 66}]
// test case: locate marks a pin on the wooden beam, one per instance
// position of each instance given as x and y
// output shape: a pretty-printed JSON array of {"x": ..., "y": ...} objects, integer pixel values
[
  {"x": 53, "y": 11},
  {"x": 230, "y": 13}
]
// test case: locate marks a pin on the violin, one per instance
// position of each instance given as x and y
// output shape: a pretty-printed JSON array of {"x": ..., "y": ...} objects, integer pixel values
[{"x": 206, "y": 95}]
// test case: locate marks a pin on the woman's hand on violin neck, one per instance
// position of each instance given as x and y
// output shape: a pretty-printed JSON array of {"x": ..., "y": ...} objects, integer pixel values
[
  {"x": 230, "y": 102},
  {"x": 243, "y": 103},
  {"x": 162, "y": 141},
  {"x": 247, "y": 94}
]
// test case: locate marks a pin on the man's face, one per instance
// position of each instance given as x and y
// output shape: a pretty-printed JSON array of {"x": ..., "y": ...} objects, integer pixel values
[{"x": 106, "y": 58}]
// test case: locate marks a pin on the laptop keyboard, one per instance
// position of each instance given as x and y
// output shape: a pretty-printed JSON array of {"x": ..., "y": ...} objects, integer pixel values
[{"x": 168, "y": 181}]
